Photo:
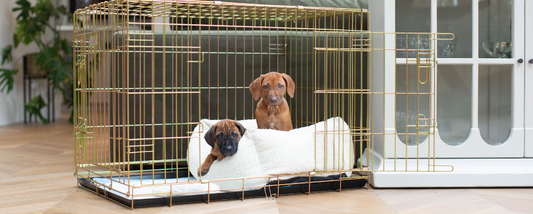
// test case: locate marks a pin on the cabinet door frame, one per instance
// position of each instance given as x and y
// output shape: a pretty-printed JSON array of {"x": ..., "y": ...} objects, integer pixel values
[
  {"x": 474, "y": 146},
  {"x": 528, "y": 67}
]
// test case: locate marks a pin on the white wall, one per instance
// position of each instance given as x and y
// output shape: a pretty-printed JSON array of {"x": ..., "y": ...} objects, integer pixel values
[{"x": 11, "y": 105}]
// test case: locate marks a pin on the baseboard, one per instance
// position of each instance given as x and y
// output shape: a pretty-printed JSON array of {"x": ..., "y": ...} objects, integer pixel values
[{"x": 515, "y": 172}]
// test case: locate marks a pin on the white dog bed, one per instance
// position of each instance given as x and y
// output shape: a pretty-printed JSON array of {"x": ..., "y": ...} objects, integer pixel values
[{"x": 270, "y": 152}]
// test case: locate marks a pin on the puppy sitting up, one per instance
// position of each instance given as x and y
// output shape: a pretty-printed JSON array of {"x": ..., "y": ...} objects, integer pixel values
[{"x": 272, "y": 111}]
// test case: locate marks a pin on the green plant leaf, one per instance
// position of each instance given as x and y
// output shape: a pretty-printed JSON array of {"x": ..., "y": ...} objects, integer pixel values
[
  {"x": 6, "y": 54},
  {"x": 34, "y": 108},
  {"x": 28, "y": 30},
  {"x": 46, "y": 59},
  {"x": 65, "y": 47},
  {"x": 16, "y": 40},
  {"x": 6, "y": 79},
  {"x": 44, "y": 10},
  {"x": 25, "y": 9},
  {"x": 64, "y": 11}
]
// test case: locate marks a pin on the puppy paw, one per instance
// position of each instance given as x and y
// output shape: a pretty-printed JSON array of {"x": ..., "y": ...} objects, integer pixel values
[{"x": 202, "y": 172}]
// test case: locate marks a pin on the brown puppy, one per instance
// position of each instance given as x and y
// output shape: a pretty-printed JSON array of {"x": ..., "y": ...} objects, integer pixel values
[
  {"x": 272, "y": 111},
  {"x": 224, "y": 139}
]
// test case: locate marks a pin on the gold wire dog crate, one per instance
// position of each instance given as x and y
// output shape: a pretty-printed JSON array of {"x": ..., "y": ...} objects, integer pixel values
[{"x": 148, "y": 71}]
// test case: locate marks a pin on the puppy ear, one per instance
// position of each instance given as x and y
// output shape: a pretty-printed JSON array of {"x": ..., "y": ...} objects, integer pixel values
[
  {"x": 290, "y": 85},
  {"x": 255, "y": 87},
  {"x": 210, "y": 136},
  {"x": 240, "y": 127}
]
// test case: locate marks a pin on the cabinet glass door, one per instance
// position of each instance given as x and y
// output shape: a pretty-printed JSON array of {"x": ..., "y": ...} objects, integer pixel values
[{"x": 480, "y": 81}]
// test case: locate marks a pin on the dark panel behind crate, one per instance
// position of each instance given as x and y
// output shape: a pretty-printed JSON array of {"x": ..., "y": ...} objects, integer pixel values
[
  {"x": 225, "y": 67},
  {"x": 230, "y": 73}
]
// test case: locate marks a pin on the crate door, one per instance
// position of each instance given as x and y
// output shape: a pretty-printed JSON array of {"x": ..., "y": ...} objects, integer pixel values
[{"x": 341, "y": 89}]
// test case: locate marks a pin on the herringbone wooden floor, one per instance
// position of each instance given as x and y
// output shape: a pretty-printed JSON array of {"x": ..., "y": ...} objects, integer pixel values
[{"x": 36, "y": 176}]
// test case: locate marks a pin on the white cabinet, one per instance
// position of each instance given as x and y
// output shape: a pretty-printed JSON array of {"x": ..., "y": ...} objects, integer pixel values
[{"x": 484, "y": 93}]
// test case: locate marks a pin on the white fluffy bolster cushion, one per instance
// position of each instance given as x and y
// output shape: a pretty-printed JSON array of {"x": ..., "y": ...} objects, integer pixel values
[{"x": 269, "y": 152}]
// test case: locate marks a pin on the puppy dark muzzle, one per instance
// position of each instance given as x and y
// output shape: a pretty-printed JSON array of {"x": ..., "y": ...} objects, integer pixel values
[{"x": 228, "y": 146}]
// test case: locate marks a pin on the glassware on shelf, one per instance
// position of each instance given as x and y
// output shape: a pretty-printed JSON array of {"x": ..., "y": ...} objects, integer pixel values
[
  {"x": 496, "y": 28},
  {"x": 498, "y": 49},
  {"x": 445, "y": 48}
]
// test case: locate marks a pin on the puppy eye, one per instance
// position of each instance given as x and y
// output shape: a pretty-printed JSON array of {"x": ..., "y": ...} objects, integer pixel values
[
  {"x": 234, "y": 135},
  {"x": 265, "y": 86},
  {"x": 280, "y": 86},
  {"x": 220, "y": 135}
]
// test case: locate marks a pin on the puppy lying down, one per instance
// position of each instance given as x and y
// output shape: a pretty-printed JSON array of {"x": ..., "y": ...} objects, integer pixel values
[{"x": 270, "y": 152}]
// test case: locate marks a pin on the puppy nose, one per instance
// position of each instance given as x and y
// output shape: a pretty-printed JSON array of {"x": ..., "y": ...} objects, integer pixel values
[
  {"x": 229, "y": 147},
  {"x": 274, "y": 99}
]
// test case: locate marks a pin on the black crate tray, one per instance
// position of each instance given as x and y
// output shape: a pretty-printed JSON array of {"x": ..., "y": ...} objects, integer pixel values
[{"x": 226, "y": 195}]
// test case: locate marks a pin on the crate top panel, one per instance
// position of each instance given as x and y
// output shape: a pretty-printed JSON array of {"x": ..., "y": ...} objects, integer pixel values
[{"x": 212, "y": 10}]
